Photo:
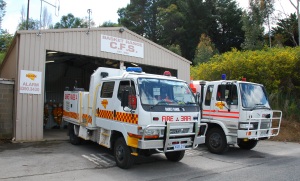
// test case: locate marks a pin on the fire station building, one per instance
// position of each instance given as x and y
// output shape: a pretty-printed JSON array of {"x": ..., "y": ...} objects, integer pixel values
[{"x": 40, "y": 65}]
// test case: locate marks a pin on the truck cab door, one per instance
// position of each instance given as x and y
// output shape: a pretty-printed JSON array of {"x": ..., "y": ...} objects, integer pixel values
[
  {"x": 225, "y": 106},
  {"x": 207, "y": 102}
]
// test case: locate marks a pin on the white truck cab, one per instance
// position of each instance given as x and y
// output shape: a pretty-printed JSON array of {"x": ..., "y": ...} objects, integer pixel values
[
  {"x": 134, "y": 113},
  {"x": 237, "y": 112}
]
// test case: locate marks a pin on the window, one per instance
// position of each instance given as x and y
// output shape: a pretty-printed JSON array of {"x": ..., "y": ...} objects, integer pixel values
[
  {"x": 253, "y": 95},
  {"x": 208, "y": 95},
  {"x": 125, "y": 85},
  {"x": 107, "y": 89},
  {"x": 227, "y": 92},
  {"x": 155, "y": 91}
]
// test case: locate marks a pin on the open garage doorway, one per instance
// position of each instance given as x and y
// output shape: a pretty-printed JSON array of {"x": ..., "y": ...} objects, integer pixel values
[{"x": 65, "y": 71}]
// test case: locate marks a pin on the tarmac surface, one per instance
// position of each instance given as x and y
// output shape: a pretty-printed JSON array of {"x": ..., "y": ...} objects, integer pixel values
[
  {"x": 58, "y": 160},
  {"x": 56, "y": 134}
]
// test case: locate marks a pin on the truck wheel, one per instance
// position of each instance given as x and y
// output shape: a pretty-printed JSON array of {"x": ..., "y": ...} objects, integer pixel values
[
  {"x": 175, "y": 156},
  {"x": 122, "y": 154},
  {"x": 247, "y": 145},
  {"x": 74, "y": 139},
  {"x": 216, "y": 141}
]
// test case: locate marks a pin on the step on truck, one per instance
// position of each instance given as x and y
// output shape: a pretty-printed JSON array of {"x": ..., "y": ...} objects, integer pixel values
[
  {"x": 134, "y": 113},
  {"x": 237, "y": 113}
]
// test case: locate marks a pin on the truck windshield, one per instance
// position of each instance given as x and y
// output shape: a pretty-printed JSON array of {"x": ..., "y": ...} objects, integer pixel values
[
  {"x": 164, "y": 92},
  {"x": 253, "y": 96}
]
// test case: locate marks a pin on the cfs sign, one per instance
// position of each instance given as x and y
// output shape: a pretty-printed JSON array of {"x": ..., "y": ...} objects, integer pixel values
[
  {"x": 172, "y": 118},
  {"x": 122, "y": 46}
]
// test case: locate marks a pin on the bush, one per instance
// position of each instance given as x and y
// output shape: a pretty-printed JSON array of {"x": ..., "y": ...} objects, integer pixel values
[
  {"x": 276, "y": 68},
  {"x": 2, "y": 55}
]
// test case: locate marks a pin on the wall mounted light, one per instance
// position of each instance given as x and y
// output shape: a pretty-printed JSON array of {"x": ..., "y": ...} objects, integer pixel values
[
  {"x": 121, "y": 30},
  {"x": 51, "y": 52},
  {"x": 134, "y": 64}
]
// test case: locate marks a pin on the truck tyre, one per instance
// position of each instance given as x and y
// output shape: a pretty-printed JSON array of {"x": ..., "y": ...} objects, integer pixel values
[
  {"x": 175, "y": 156},
  {"x": 122, "y": 154},
  {"x": 216, "y": 141},
  {"x": 74, "y": 139},
  {"x": 247, "y": 145}
]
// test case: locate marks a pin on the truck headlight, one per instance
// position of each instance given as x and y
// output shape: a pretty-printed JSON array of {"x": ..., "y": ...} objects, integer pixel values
[
  {"x": 152, "y": 132},
  {"x": 246, "y": 126}
]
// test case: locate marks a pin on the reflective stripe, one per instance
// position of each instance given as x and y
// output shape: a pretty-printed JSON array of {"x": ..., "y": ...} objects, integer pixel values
[
  {"x": 120, "y": 116},
  {"x": 71, "y": 114},
  {"x": 222, "y": 111},
  {"x": 221, "y": 114},
  {"x": 87, "y": 118}
]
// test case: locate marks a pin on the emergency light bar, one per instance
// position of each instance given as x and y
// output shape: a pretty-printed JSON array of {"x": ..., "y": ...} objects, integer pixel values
[{"x": 134, "y": 69}]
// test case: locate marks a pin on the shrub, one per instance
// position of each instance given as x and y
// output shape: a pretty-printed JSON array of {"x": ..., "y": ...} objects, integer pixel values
[{"x": 276, "y": 68}]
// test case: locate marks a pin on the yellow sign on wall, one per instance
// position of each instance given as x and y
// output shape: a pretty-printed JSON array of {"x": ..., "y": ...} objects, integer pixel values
[{"x": 30, "y": 82}]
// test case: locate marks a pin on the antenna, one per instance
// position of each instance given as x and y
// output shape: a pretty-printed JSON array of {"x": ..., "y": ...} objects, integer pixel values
[{"x": 90, "y": 12}]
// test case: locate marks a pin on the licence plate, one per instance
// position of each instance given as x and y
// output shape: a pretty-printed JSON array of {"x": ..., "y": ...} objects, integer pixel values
[{"x": 179, "y": 147}]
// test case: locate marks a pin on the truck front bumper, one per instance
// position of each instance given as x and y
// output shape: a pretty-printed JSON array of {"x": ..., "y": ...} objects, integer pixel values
[
  {"x": 257, "y": 134},
  {"x": 176, "y": 141}
]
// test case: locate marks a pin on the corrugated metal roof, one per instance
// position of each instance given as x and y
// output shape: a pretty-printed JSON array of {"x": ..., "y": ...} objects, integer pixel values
[{"x": 102, "y": 29}]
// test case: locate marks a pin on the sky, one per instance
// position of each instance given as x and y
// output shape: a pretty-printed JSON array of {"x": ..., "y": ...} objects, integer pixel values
[{"x": 102, "y": 10}]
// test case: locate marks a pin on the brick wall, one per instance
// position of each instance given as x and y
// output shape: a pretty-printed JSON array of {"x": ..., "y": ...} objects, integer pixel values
[{"x": 6, "y": 109}]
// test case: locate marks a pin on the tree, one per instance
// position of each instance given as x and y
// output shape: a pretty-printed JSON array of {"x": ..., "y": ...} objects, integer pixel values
[
  {"x": 46, "y": 20},
  {"x": 170, "y": 25},
  {"x": 285, "y": 32},
  {"x": 32, "y": 25},
  {"x": 297, "y": 7},
  {"x": 205, "y": 50},
  {"x": 109, "y": 24},
  {"x": 5, "y": 40},
  {"x": 174, "y": 48},
  {"x": 178, "y": 22},
  {"x": 89, "y": 22},
  {"x": 2, "y": 11},
  {"x": 182, "y": 21},
  {"x": 226, "y": 30},
  {"x": 23, "y": 18},
  {"x": 70, "y": 21},
  {"x": 140, "y": 16},
  {"x": 253, "y": 27},
  {"x": 267, "y": 6}
]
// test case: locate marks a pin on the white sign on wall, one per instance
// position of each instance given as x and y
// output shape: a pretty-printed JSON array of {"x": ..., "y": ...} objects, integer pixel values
[
  {"x": 122, "y": 46},
  {"x": 30, "y": 82}
]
